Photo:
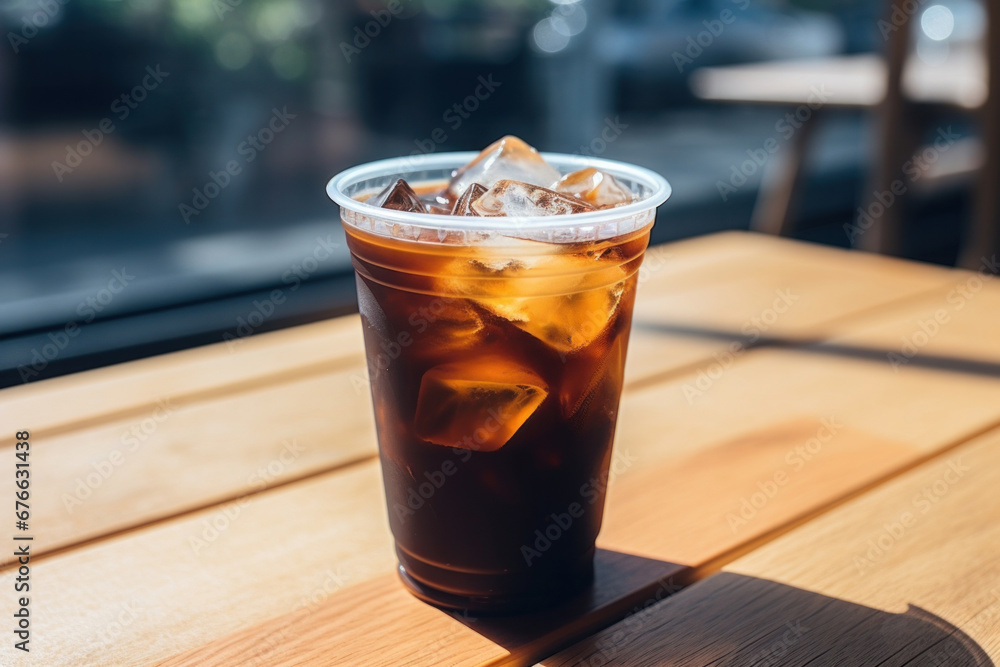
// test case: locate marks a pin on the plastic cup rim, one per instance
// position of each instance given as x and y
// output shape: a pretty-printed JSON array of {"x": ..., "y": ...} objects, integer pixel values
[{"x": 402, "y": 166}]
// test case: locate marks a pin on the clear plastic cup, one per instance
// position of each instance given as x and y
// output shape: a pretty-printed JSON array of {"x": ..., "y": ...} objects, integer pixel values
[{"x": 496, "y": 348}]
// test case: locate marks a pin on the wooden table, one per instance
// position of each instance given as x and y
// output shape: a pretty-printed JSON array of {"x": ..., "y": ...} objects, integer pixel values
[{"x": 808, "y": 465}]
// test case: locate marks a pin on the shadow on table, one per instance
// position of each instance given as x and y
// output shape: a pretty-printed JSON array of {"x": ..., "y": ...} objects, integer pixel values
[
  {"x": 731, "y": 619},
  {"x": 725, "y": 619},
  {"x": 920, "y": 360},
  {"x": 623, "y": 584}
]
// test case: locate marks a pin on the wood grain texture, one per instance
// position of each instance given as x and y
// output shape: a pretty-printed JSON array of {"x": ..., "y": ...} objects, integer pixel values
[
  {"x": 906, "y": 574},
  {"x": 952, "y": 328},
  {"x": 928, "y": 408},
  {"x": 728, "y": 445},
  {"x": 339, "y": 629},
  {"x": 133, "y": 389},
  {"x": 776, "y": 286},
  {"x": 891, "y": 418},
  {"x": 181, "y": 456},
  {"x": 676, "y": 516},
  {"x": 693, "y": 307},
  {"x": 136, "y": 597},
  {"x": 724, "y": 497},
  {"x": 759, "y": 290}
]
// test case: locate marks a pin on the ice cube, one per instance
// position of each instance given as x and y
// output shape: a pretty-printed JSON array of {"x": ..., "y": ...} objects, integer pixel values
[
  {"x": 371, "y": 310},
  {"x": 566, "y": 322},
  {"x": 450, "y": 325},
  {"x": 594, "y": 187},
  {"x": 464, "y": 204},
  {"x": 565, "y": 300},
  {"x": 398, "y": 196},
  {"x": 506, "y": 158},
  {"x": 477, "y": 404},
  {"x": 443, "y": 324},
  {"x": 516, "y": 198}
]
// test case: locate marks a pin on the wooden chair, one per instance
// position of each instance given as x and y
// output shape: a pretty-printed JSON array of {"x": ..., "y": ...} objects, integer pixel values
[{"x": 905, "y": 94}]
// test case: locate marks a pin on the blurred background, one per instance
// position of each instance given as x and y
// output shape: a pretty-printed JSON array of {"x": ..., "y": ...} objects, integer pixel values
[{"x": 163, "y": 162}]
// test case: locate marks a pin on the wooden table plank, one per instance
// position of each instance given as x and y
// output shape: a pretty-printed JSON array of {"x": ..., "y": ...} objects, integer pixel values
[
  {"x": 906, "y": 574},
  {"x": 925, "y": 407},
  {"x": 146, "y": 594},
  {"x": 859, "y": 366},
  {"x": 694, "y": 305},
  {"x": 776, "y": 286},
  {"x": 183, "y": 456},
  {"x": 133, "y": 389},
  {"x": 954, "y": 327}
]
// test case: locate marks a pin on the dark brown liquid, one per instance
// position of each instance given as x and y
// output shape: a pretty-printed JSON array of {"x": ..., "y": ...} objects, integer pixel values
[{"x": 495, "y": 376}]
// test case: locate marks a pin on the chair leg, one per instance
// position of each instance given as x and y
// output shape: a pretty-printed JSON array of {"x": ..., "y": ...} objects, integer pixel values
[
  {"x": 774, "y": 212},
  {"x": 895, "y": 134},
  {"x": 983, "y": 247},
  {"x": 889, "y": 187}
]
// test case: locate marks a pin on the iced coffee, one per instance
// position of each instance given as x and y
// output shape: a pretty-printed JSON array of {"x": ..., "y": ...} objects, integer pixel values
[{"x": 496, "y": 304}]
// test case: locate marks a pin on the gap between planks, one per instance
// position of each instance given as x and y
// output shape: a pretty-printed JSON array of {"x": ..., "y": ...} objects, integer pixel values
[
  {"x": 774, "y": 342},
  {"x": 225, "y": 389},
  {"x": 714, "y": 565},
  {"x": 125, "y": 530}
]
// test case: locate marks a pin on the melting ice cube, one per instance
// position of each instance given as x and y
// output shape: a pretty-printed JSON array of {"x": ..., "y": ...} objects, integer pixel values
[
  {"x": 398, "y": 196},
  {"x": 464, "y": 204},
  {"x": 566, "y": 322},
  {"x": 477, "y": 404},
  {"x": 506, "y": 158},
  {"x": 593, "y": 382},
  {"x": 594, "y": 187},
  {"x": 516, "y": 198},
  {"x": 565, "y": 299}
]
